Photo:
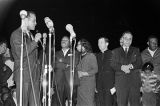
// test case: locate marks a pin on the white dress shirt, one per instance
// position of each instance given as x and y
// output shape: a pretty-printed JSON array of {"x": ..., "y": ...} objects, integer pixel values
[
  {"x": 65, "y": 51},
  {"x": 151, "y": 52}
]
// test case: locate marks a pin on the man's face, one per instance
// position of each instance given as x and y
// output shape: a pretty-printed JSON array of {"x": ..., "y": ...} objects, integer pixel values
[
  {"x": 102, "y": 44},
  {"x": 65, "y": 42},
  {"x": 153, "y": 44},
  {"x": 3, "y": 48},
  {"x": 127, "y": 39},
  {"x": 32, "y": 22}
]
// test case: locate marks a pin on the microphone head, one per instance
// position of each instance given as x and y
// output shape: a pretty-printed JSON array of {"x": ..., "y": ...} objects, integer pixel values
[
  {"x": 48, "y": 22},
  {"x": 46, "y": 19},
  {"x": 23, "y": 14},
  {"x": 69, "y": 28},
  {"x": 44, "y": 35},
  {"x": 39, "y": 34}
]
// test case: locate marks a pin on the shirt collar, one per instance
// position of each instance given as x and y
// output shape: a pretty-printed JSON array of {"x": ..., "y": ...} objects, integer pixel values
[
  {"x": 151, "y": 50},
  {"x": 65, "y": 51}
]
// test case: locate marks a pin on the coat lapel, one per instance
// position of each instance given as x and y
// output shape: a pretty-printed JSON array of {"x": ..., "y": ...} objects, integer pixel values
[{"x": 157, "y": 52}]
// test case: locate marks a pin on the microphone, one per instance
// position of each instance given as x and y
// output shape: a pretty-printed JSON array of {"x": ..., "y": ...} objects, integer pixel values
[
  {"x": 49, "y": 24},
  {"x": 23, "y": 15},
  {"x": 39, "y": 36},
  {"x": 69, "y": 28},
  {"x": 44, "y": 38}
]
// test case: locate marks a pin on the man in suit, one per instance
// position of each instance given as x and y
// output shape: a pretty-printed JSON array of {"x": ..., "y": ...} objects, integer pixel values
[
  {"x": 62, "y": 74},
  {"x": 126, "y": 60},
  {"x": 105, "y": 75},
  {"x": 152, "y": 54},
  {"x": 30, "y": 93}
]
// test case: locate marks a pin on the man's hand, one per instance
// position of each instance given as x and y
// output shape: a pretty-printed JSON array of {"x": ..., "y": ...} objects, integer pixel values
[
  {"x": 37, "y": 37},
  {"x": 125, "y": 68},
  {"x": 81, "y": 74}
]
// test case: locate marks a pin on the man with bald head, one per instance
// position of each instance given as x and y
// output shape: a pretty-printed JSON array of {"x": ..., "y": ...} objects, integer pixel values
[
  {"x": 126, "y": 61},
  {"x": 62, "y": 75}
]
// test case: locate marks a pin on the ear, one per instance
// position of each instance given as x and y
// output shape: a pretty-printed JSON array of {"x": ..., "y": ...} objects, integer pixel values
[
  {"x": 147, "y": 43},
  {"x": 107, "y": 43}
]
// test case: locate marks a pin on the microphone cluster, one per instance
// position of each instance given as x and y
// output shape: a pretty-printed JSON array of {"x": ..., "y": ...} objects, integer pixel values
[{"x": 49, "y": 23}]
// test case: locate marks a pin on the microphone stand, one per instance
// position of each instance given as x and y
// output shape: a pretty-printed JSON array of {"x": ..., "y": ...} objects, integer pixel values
[
  {"x": 44, "y": 76},
  {"x": 21, "y": 70},
  {"x": 51, "y": 32},
  {"x": 72, "y": 67},
  {"x": 54, "y": 55}
]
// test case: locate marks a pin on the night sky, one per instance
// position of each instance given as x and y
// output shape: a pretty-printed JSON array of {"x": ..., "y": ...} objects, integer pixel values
[{"x": 91, "y": 19}]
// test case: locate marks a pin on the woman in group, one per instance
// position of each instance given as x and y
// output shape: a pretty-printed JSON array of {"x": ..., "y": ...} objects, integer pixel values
[{"x": 87, "y": 68}]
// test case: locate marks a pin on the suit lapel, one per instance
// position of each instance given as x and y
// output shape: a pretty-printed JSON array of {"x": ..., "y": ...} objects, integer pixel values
[
  {"x": 61, "y": 54},
  {"x": 157, "y": 52},
  {"x": 130, "y": 51},
  {"x": 122, "y": 52},
  {"x": 68, "y": 52}
]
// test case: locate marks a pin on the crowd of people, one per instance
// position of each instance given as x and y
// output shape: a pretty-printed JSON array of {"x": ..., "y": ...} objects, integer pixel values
[{"x": 123, "y": 76}]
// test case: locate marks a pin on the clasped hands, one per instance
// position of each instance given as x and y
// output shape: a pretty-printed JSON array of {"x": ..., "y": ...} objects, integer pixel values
[
  {"x": 126, "y": 68},
  {"x": 82, "y": 74}
]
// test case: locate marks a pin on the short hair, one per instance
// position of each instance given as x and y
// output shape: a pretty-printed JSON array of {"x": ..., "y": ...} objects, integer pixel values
[
  {"x": 152, "y": 36},
  {"x": 4, "y": 41},
  {"x": 29, "y": 13},
  {"x": 105, "y": 39},
  {"x": 86, "y": 45},
  {"x": 147, "y": 66},
  {"x": 65, "y": 37},
  {"x": 126, "y": 32}
]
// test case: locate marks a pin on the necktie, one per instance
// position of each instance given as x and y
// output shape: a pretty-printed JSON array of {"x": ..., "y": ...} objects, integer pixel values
[{"x": 126, "y": 50}]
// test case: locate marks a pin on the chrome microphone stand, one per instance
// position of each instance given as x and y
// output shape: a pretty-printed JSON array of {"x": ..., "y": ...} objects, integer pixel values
[
  {"x": 49, "y": 75},
  {"x": 72, "y": 67},
  {"x": 23, "y": 15},
  {"x": 44, "y": 75},
  {"x": 21, "y": 69},
  {"x": 51, "y": 32}
]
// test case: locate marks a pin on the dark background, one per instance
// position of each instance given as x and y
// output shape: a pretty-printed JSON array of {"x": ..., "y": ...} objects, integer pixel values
[{"x": 91, "y": 19}]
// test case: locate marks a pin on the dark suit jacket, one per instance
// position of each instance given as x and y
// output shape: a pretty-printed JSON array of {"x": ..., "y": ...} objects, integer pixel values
[
  {"x": 120, "y": 58},
  {"x": 15, "y": 41},
  {"x": 105, "y": 72},
  {"x": 61, "y": 69}
]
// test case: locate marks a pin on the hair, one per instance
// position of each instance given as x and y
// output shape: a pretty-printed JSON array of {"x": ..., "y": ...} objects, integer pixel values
[
  {"x": 105, "y": 39},
  {"x": 65, "y": 37},
  {"x": 152, "y": 36},
  {"x": 4, "y": 41},
  {"x": 126, "y": 32},
  {"x": 86, "y": 45},
  {"x": 147, "y": 66},
  {"x": 29, "y": 13}
]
